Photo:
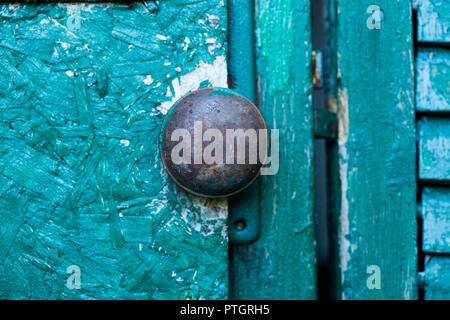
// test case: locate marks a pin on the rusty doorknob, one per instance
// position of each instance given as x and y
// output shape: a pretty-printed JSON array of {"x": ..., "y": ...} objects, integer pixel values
[{"x": 214, "y": 142}]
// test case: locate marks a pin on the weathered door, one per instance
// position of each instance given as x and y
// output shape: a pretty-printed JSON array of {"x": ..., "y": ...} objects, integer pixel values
[
  {"x": 83, "y": 196},
  {"x": 87, "y": 210}
]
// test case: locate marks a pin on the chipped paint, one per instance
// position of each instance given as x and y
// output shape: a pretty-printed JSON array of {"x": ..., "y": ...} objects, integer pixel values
[
  {"x": 435, "y": 210},
  {"x": 283, "y": 51},
  {"x": 81, "y": 174},
  {"x": 215, "y": 74},
  {"x": 344, "y": 223},
  {"x": 437, "y": 277},
  {"x": 376, "y": 147},
  {"x": 433, "y": 80},
  {"x": 433, "y": 20},
  {"x": 434, "y": 146},
  {"x": 148, "y": 80}
]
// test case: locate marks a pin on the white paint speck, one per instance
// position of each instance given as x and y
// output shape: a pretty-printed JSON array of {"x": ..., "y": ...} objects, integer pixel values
[
  {"x": 186, "y": 43},
  {"x": 13, "y": 6},
  {"x": 213, "y": 20},
  {"x": 148, "y": 80},
  {"x": 161, "y": 37},
  {"x": 65, "y": 45}
]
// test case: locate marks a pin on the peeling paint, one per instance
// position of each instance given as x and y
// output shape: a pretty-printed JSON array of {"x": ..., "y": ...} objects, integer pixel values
[
  {"x": 284, "y": 81},
  {"x": 433, "y": 80},
  {"x": 376, "y": 148},
  {"x": 433, "y": 21},
  {"x": 215, "y": 74},
  {"x": 82, "y": 182},
  {"x": 344, "y": 223}
]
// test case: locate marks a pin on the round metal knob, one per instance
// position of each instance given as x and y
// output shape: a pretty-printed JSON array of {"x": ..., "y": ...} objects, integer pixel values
[{"x": 208, "y": 142}]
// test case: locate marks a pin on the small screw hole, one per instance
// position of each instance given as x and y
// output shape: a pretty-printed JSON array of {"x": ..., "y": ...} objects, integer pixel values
[{"x": 240, "y": 224}]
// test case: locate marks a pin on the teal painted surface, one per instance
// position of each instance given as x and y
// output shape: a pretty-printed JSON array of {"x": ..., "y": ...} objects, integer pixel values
[
  {"x": 81, "y": 181},
  {"x": 334, "y": 185},
  {"x": 436, "y": 220},
  {"x": 241, "y": 49},
  {"x": 281, "y": 264},
  {"x": 433, "y": 20},
  {"x": 244, "y": 207},
  {"x": 434, "y": 148},
  {"x": 437, "y": 278},
  {"x": 376, "y": 223},
  {"x": 433, "y": 80}
]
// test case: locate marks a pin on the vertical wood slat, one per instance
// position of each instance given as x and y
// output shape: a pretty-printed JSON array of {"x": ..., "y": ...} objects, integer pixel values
[
  {"x": 243, "y": 207},
  {"x": 376, "y": 221},
  {"x": 281, "y": 264}
]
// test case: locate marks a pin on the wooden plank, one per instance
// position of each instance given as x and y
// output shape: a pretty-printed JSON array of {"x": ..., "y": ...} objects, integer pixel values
[
  {"x": 434, "y": 149},
  {"x": 334, "y": 183},
  {"x": 433, "y": 80},
  {"x": 244, "y": 207},
  {"x": 437, "y": 278},
  {"x": 281, "y": 264},
  {"x": 376, "y": 151},
  {"x": 436, "y": 220},
  {"x": 433, "y": 20},
  {"x": 84, "y": 90}
]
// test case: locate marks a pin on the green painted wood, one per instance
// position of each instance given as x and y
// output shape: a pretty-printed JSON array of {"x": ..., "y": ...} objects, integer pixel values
[
  {"x": 334, "y": 184},
  {"x": 281, "y": 264},
  {"x": 437, "y": 278},
  {"x": 376, "y": 223},
  {"x": 433, "y": 80},
  {"x": 434, "y": 149},
  {"x": 435, "y": 211},
  {"x": 243, "y": 208},
  {"x": 81, "y": 181},
  {"x": 433, "y": 20}
]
